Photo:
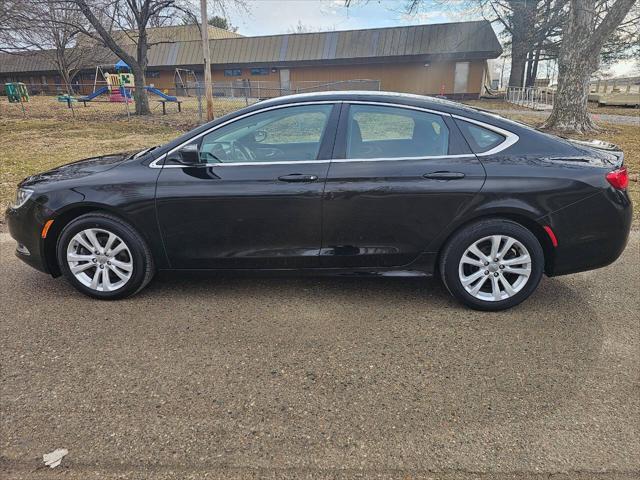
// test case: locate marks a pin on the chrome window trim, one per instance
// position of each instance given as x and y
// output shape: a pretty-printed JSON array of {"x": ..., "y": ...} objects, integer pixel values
[
  {"x": 155, "y": 163},
  {"x": 307, "y": 162},
  {"x": 401, "y": 159},
  {"x": 510, "y": 137},
  {"x": 397, "y": 105}
]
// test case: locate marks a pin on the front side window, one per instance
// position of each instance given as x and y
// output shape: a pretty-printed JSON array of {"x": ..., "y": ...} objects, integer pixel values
[
  {"x": 390, "y": 132},
  {"x": 233, "y": 72},
  {"x": 286, "y": 134}
]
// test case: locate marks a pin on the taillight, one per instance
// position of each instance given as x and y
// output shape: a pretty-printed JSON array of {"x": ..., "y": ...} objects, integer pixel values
[{"x": 619, "y": 178}]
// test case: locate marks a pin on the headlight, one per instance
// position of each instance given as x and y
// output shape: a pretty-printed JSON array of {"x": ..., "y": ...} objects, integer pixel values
[{"x": 22, "y": 195}]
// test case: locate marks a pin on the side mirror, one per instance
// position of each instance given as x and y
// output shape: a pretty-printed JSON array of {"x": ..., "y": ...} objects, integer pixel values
[
  {"x": 259, "y": 136},
  {"x": 189, "y": 154}
]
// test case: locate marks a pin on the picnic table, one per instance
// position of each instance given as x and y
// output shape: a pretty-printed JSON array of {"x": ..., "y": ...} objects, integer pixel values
[{"x": 164, "y": 105}]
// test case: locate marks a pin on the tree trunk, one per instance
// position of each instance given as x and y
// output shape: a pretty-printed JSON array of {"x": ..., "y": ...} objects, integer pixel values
[
  {"x": 570, "y": 112},
  {"x": 532, "y": 69},
  {"x": 575, "y": 66},
  {"x": 523, "y": 24},
  {"x": 579, "y": 58},
  {"x": 137, "y": 64},
  {"x": 518, "y": 63},
  {"x": 140, "y": 94}
]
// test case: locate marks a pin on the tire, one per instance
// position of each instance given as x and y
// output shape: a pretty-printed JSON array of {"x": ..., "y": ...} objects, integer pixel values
[
  {"x": 128, "y": 269},
  {"x": 509, "y": 281}
]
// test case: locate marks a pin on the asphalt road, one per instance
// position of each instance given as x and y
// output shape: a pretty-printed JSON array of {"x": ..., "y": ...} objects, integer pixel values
[{"x": 222, "y": 377}]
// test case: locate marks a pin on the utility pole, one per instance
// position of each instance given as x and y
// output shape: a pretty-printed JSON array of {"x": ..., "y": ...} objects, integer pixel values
[{"x": 204, "y": 26}]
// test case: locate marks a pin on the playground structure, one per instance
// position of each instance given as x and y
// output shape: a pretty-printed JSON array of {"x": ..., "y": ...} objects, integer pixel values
[
  {"x": 120, "y": 86},
  {"x": 16, "y": 92},
  {"x": 186, "y": 79}
]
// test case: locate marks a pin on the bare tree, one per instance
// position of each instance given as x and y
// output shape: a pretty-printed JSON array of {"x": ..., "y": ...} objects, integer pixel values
[
  {"x": 111, "y": 20},
  {"x": 589, "y": 25},
  {"x": 302, "y": 28},
  {"x": 48, "y": 27},
  {"x": 531, "y": 30}
]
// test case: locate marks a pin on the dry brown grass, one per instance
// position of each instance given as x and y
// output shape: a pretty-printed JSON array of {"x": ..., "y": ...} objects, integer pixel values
[
  {"x": 626, "y": 111},
  {"x": 47, "y": 107},
  {"x": 31, "y": 146},
  {"x": 496, "y": 104}
]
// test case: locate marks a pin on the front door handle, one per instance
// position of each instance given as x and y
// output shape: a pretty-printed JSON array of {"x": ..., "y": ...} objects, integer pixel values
[
  {"x": 444, "y": 175},
  {"x": 298, "y": 177}
]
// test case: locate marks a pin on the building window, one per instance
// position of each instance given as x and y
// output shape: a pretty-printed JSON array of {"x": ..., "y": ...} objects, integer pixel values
[
  {"x": 259, "y": 71},
  {"x": 152, "y": 74},
  {"x": 233, "y": 72}
]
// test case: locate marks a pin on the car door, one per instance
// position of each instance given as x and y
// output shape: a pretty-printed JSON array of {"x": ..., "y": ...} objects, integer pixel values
[
  {"x": 399, "y": 176},
  {"x": 252, "y": 196}
]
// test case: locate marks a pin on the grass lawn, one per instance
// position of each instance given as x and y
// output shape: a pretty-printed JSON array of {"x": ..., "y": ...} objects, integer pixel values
[
  {"x": 33, "y": 144},
  {"x": 488, "y": 104}
]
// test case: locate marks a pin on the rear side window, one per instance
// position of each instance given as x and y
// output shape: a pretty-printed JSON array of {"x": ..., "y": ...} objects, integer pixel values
[
  {"x": 388, "y": 132},
  {"x": 480, "y": 139}
]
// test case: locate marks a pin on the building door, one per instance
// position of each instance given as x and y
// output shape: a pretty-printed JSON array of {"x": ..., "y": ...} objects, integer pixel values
[
  {"x": 285, "y": 83},
  {"x": 461, "y": 78}
]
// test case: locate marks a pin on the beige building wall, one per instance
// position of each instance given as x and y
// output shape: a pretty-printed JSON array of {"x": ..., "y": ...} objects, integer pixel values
[
  {"x": 436, "y": 78},
  {"x": 416, "y": 78}
]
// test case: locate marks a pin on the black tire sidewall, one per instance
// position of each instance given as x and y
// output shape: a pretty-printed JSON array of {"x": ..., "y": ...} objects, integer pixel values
[
  {"x": 126, "y": 233},
  {"x": 463, "y": 239}
]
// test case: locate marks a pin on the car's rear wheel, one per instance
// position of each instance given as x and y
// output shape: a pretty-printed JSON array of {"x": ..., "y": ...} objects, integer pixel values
[
  {"x": 493, "y": 264},
  {"x": 104, "y": 257}
]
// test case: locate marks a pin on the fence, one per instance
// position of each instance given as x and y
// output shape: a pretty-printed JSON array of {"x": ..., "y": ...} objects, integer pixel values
[
  {"x": 186, "y": 100},
  {"x": 536, "y": 98}
]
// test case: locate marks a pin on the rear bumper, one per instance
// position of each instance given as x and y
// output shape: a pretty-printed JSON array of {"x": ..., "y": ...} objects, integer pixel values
[
  {"x": 591, "y": 233},
  {"x": 25, "y": 226}
]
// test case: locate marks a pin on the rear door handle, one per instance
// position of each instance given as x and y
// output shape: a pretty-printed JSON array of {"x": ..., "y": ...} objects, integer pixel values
[
  {"x": 298, "y": 177},
  {"x": 444, "y": 175}
]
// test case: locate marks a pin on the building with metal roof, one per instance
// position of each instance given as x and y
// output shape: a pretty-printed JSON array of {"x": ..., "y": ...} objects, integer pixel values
[{"x": 449, "y": 58}]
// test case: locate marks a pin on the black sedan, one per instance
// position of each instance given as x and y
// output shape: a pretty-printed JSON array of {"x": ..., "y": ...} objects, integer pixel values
[{"x": 335, "y": 183}]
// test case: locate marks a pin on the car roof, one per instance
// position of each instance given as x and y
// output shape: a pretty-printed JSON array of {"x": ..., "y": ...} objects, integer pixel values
[{"x": 424, "y": 101}]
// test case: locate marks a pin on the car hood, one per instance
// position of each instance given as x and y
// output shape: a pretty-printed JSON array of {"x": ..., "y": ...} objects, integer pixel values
[{"x": 79, "y": 169}]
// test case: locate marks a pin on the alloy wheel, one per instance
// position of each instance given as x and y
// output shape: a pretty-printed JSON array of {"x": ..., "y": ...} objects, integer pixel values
[
  {"x": 495, "y": 268},
  {"x": 100, "y": 259}
]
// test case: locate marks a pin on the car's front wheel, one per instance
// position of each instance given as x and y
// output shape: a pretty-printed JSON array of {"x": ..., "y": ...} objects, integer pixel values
[
  {"x": 104, "y": 257},
  {"x": 493, "y": 264}
]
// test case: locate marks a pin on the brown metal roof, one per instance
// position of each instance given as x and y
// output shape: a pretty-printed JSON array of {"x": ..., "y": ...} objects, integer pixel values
[{"x": 462, "y": 40}]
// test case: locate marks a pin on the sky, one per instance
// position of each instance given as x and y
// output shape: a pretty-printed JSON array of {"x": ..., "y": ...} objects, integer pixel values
[{"x": 268, "y": 17}]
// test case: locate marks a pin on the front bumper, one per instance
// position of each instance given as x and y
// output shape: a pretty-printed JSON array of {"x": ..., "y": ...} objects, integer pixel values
[
  {"x": 25, "y": 226},
  {"x": 592, "y": 233}
]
